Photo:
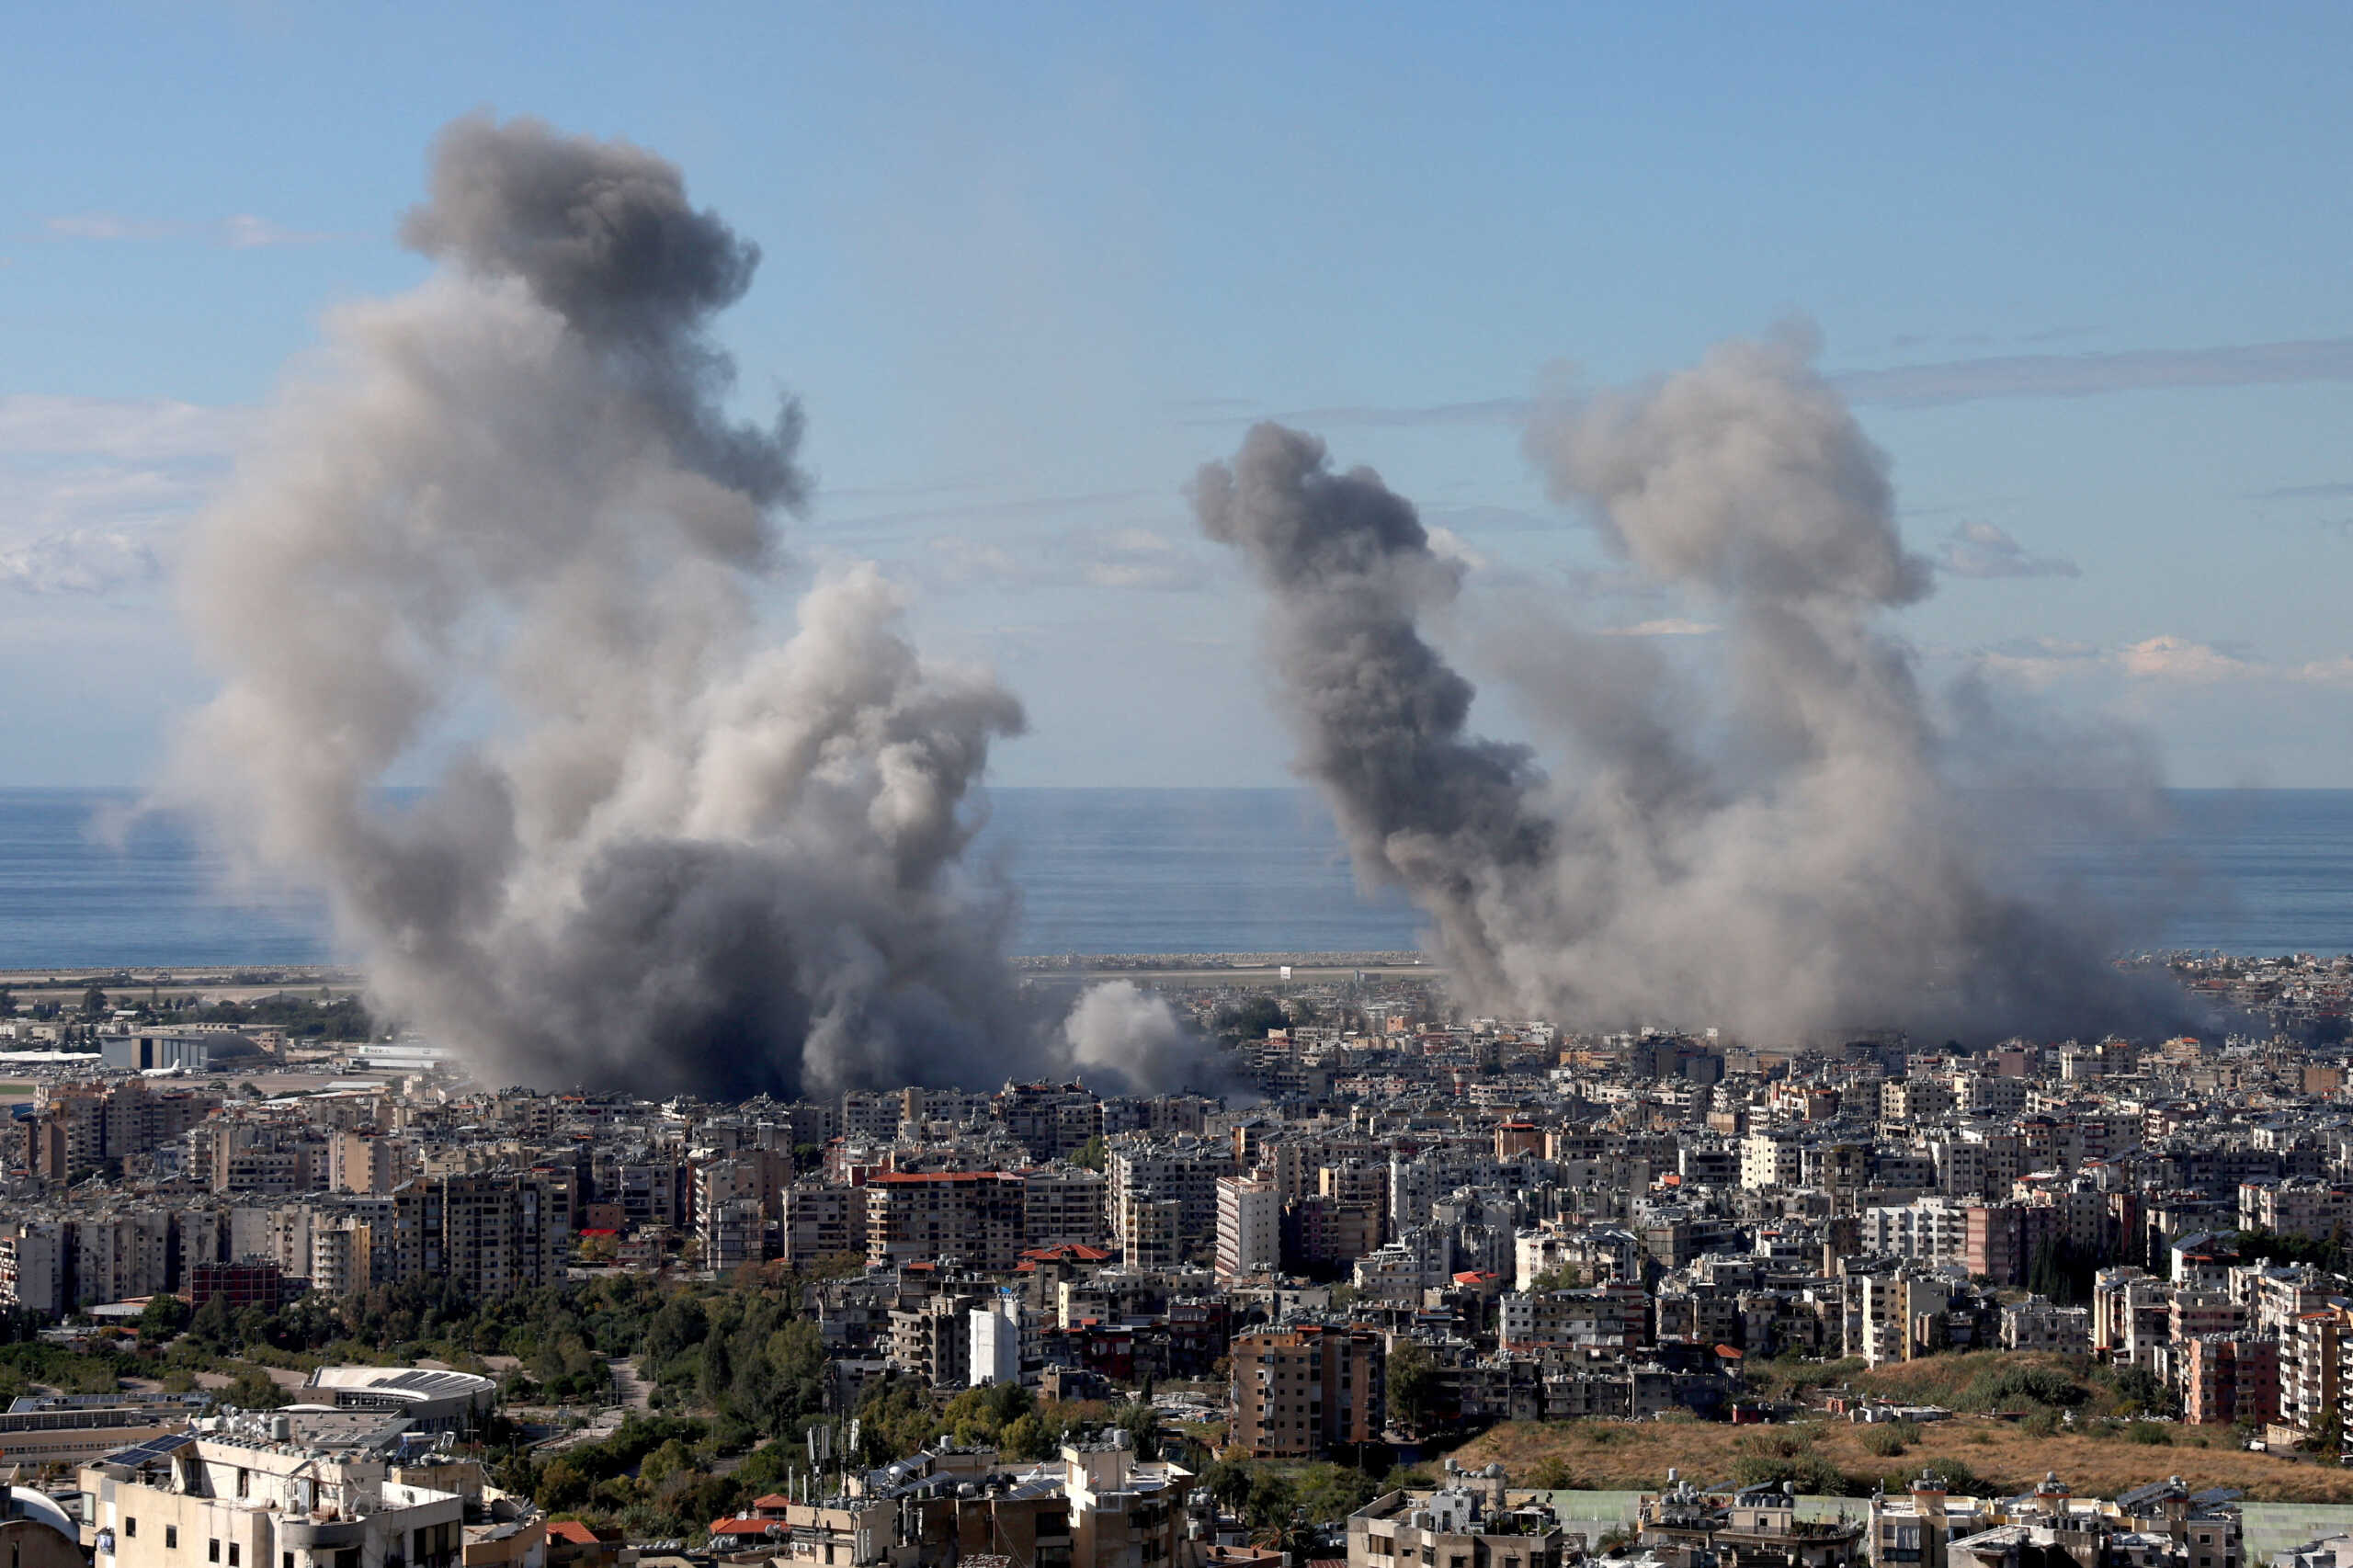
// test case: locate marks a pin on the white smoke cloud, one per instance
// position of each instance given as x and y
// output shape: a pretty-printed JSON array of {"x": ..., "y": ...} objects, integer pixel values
[
  {"x": 1122, "y": 1030},
  {"x": 1813, "y": 871},
  {"x": 679, "y": 858}
]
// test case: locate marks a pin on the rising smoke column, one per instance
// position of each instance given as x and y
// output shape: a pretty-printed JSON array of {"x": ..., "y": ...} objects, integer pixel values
[
  {"x": 1810, "y": 871},
  {"x": 1378, "y": 714},
  {"x": 506, "y": 521}
]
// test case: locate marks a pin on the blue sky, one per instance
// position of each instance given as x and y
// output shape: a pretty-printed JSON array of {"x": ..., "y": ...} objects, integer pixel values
[{"x": 2082, "y": 270}]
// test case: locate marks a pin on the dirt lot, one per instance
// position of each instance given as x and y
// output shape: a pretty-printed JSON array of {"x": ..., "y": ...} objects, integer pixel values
[{"x": 1613, "y": 1456}]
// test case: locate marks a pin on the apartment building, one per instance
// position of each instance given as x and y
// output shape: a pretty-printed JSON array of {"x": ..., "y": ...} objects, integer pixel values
[
  {"x": 977, "y": 1218},
  {"x": 2226, "y": 1378},
  {"x": 1249, "y": 1226},
  {"x": 36, "y": 1266},
  {"x": 1183, "y": 1167},
  {"x": 819, "y": 1221},
  {"x": 2307, "y": 1209},
  {"x": 1927, "y": 1230},
  {"x": 315, "y": 1491},
  {"x": 1470, "y": 1522},
  {"x": 1062, "y": 1205},
  {"x": 1296, "y": 1392},
  {"x": 1608, "y": 1317}
]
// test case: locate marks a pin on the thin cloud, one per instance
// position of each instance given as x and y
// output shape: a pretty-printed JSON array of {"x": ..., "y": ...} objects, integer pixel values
[
  {"x": 2295, "y": 362},
  {"x": 2305, "y": 491},
  {"x": 1128, "y": 559},
  {"x": 108, "y": 226},
  {"x": 1983, "y": 551},
  {"x": 2167, "y": 659},
  {"x": 246, "y": 231},
  {"x": 81, "y": 562},
  {"x": 92, "y": 491},
  {"x": 239, "y": 230},
  {"x": 1488, "y": 411},
  {"x": 128, "y": 429},
  {"x": 1135, "y": 559},
  {"x": 1023, "y": 506},
  {"x": 2037, "y": 661},
  {"x": 2092, "y": 375}
]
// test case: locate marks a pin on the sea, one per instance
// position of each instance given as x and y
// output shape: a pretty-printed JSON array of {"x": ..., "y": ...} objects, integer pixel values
[{"x": 84, "y": 883}]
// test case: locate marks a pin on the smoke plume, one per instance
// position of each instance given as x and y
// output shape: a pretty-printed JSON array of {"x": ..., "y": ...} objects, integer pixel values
[
  {"x": 1121, "y": 1032},
  {"x": 506, "y": 520},
  {"x": 1785, "y": 856}
]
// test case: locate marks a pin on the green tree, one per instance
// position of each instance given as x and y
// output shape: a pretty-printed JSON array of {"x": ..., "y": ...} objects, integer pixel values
[
  {"x": 210, "y": 1325},
  {"x": 254, "y": 1390},
  {"x": 1141, "y": 1424},
  {"x": 164, "y": 1317},
  {"x": 1025, "y": 1438},
  {"x": 1228, "y": 1480},
  {"x": 718, "y": 1368},
  {"x": 1249, "y": 1019},
  {"x": 1329, "y": 1494},
  {"x": 562, "y": 1485},
  {"x": 1271, "y": 1504},
  {"x": 1415, "y": 1387},
  {"x": 93, "y": 1002},
  {"x": 1092, "y": 1154}
]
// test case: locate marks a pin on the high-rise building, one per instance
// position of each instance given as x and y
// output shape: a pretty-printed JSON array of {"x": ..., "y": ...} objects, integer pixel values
[
  {"x": 1062, "y": 1204},
  {"x": 1296, "y": 1392},
  {"x": 822, "y": 1221},
  {"x": 1249, "y": 1226},
  {"x": 977, "y": 1218}
]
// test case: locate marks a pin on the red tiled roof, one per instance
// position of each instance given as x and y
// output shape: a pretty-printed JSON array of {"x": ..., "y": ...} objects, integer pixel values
[
  {"x": 573, "y": 1531},
  {"x": 742, "y": 1526}
]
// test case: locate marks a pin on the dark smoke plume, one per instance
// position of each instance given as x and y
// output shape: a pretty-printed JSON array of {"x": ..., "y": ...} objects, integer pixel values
[
  {"x": 1809, "y": 867},
  {"x": 507, "y": 519}
]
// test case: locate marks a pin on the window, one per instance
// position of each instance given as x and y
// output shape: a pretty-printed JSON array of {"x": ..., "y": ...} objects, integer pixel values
[
  {"x": 171, "y": 1537},
  {"x": 232, "y": 1554},
  {"x": 212, "y": 1551},
  {"x": 130, "y": 1526}
]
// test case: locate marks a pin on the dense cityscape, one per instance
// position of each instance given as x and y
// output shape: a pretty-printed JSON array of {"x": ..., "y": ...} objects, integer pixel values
[
  {"x": 1409, "y": 1286},
  {"x": 1176, "y": 787}
]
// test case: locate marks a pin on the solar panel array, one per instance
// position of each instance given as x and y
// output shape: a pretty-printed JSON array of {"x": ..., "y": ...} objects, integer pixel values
[{"x": 154, "y": 1448}]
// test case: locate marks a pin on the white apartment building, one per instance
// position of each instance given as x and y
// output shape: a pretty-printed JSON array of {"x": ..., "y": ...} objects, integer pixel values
[
  {"x": 1927, "y": 1230},
  {"x": 1249, "y": 1226},
  {"x": 1770, "y": 1160}
]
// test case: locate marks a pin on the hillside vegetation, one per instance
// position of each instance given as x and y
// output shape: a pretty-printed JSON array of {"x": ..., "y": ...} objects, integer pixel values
[{"x": 2019, "y": 1416}]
